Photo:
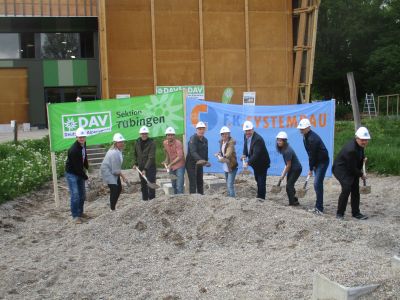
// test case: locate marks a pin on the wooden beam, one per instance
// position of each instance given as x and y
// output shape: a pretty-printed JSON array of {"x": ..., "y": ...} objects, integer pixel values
[
  {"x": 246, "y": 17},
  {"x": 299, "y": 54},
  {"x": 311, "y": 60},
  {"x": 201, "y": 29},
  {"x": 298, "y": 11},
  {"x": 105, "y": 94},
  {"x": 153, "y": 44}
]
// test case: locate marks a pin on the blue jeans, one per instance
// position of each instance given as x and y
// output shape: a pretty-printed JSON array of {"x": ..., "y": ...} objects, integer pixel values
[
  {"x": 320, "y": 172},
  {"x": 230, "y": 180},
  {"x": 177, "y": 184},
  {"x": 77, "y": 190}
]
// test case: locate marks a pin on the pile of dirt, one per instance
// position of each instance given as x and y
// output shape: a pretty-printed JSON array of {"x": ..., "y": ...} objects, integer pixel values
[{"x": 193, "y": 246}]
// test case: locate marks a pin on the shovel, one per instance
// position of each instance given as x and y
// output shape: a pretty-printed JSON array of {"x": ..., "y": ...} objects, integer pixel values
[
  {"x": 302, "y": 192},
  {"x": 149, "y": 184},
  {"x": 171, "y": 176},
  {"x": 365, "y": 189},
  {"x": 244, "y": 171},
  {"x": 276, "y": 189}
]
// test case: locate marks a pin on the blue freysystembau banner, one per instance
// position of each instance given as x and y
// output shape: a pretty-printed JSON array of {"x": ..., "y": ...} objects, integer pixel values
[{"x": 268, "y": 121}]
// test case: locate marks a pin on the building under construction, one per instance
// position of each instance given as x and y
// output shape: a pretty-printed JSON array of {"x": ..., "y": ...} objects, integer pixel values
[{"x": 58, "y": 50}]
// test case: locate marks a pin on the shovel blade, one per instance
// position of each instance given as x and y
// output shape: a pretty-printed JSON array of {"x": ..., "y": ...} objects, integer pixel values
[
  {"x": 152, "y": 185},
  {"x": 301, "y": 193},
  {"x": 276, "y": 189},
  {"x": 365, "y": 189}
]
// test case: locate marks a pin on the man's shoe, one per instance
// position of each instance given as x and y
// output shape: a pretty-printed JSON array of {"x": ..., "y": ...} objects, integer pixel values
[
  {"x": 77, "y": 220},
  {"x": 294, "y": 203},
  {"x": 316, "y": 211},
  {"x": 360, "y": 216},
  {"x": 339, "y": 217}
]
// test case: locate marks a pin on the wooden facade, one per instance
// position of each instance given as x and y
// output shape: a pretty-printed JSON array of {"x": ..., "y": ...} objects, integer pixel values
[
  {"x": 48, "y": 8},
  {"x": 243, "y": 44},
  {"x": 14, "y": 101}
]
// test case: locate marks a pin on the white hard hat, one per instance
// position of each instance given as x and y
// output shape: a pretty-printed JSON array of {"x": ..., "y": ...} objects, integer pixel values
[
  {"x": 224, "y": 129},
  {"x": 80, "y": 132},
  {"x": 118, "y": 138},
  {"x": 247, "y": 126},
  {"x": 144, "y": 129},
  {"x": 169, "y": 130},
  {"x": 200, "y": 125},
  {"x": 304, "y": 123},
  {"x": 282, "y": 135},
  {"x": 363, "y": 133}
]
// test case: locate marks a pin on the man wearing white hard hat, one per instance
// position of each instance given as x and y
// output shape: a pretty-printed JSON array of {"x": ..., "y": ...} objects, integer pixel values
[
  {"x": 196, "y": 158},
  {"x": 227, "y": 156},
  {"x": 347, "y": 168},
  {"x": 76, "y": 175},
  {"x": 111, "y": 169},
  {"x": 174, "y": 159},
  {"x": 318, "y": 160},
  {"x": 293, "y": 166},
  {"x": 144, "y": 158},
  {"x": 255, "y": 154}
]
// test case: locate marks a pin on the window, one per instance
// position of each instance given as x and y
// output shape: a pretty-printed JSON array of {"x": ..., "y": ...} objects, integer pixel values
[
  {"x": 27, "y": 45},
  {"x": 59, "y": 45},
  {"x": 87, "y": 45},
  {"x": 9, "y": 45}
]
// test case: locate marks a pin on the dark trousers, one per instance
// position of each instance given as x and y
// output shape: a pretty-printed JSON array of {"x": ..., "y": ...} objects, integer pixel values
[
  {"x": 348, "y": 189},
  {"x": 291, "y": 179},
  {"x": 115, "y": 191},
  {"x": 195, "y": 174},
  {"x": 261, "y": 178},
  {"x": 147, "y": 193}
]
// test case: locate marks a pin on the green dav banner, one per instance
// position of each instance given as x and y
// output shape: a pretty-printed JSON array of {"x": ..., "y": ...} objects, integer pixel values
[
  {"x": 193, "y": 91},
  {"x": 103, "y": 118}
]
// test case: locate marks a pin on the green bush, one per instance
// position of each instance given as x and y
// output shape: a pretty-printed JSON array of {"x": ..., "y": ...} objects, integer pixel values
[
  {"x": 25, "y": 166},
  {"x": 383, "y": 150}
]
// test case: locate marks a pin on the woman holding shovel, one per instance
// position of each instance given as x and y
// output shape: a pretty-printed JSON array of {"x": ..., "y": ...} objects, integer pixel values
[
  {"x": 227, "y": 156},
  {"x": 292, "y": 166},
  {"x": 347, "y": 169},
  {"x": 111, "y": 169},
  {"x": 144, "y": 162},
  {"x": 174, "y": 160}
]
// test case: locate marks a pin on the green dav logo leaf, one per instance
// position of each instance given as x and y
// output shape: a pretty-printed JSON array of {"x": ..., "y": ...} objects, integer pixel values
[{"x": 93, "y": 123}]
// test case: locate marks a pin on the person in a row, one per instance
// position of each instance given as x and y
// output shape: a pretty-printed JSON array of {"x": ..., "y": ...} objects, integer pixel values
[
  {"x": 227, "y": 156},
  {"x": 144, "y": 159},
  {"x": 174, "y": 159},
  {"x": 111, "y": 169}
]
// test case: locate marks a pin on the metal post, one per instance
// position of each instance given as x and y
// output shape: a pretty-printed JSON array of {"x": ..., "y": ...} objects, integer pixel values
[{"x": 15, "y": 132}]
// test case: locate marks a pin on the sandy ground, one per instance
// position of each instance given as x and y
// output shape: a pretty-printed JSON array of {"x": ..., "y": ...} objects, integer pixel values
[{"x": 197, "y": 247}]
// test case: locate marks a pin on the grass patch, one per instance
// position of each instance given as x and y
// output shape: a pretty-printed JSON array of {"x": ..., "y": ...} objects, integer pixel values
[
  {"x": 383, "y": 150},
  {"x": 25, "y": 166}
]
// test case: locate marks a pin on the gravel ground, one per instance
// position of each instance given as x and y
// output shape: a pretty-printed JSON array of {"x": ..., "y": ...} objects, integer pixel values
[{"x": 197, "y": 247}]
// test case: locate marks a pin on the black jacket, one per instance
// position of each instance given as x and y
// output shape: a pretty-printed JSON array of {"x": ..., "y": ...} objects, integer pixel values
[
  {"x": 145, "y": 159},
  {"x": 197, "y": 150},
  {"x": 75, "y": 162},
  {"x": 257, "y": 157},
  {"x": 316, "y": 149},
  {"x": 348, "y": 162}
]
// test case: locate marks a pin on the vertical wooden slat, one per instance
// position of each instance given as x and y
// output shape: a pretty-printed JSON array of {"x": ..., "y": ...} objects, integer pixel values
[
  {"x": 201, "y": 29},
  {"x": 299, "y": 51},
  {"x": 76, "y": 7},
  {"x": 33, "y": 7},
  {"x": 103, "y": 49},
  {"x": 84, "y": 8},
  {"x": 68, "y": 13},
  {"x": 91, "y": 8},
  {"x": 5, "y": 8},
  {"x": 312, "y": 50},
  {"x": 41, "y": 7},
  {"x": 15, "y": 8},
  {"x": 153, "y": 44},
  {"x": 246, "y": 17},
  {"x": 50, "y": 8}
]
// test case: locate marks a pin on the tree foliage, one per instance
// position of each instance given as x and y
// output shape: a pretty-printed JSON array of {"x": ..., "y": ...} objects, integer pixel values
[{"x": 361, "y": 36}]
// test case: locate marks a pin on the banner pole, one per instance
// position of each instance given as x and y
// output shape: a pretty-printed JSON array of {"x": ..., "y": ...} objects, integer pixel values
[
  {"x": 53, "y": 164},
  {"x": 185, "y": 93}
]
